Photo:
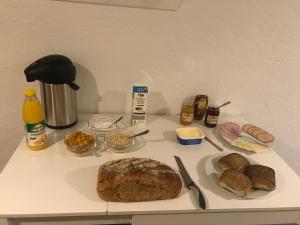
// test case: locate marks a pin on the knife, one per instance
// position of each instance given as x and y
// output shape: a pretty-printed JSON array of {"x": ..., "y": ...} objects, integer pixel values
[
  {"x": 214, "y": 144},
  {"x": 189, "y": 183}
]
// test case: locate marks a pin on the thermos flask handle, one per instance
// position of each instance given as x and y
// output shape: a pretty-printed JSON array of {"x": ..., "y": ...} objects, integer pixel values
[{"x": 74, "y": 86}]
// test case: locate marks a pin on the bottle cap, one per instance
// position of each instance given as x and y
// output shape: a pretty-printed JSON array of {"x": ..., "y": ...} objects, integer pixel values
[{"x": 29, "y": 92}]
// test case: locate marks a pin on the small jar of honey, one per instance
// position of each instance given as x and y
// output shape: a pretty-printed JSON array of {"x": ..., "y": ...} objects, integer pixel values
[{"x": 187, "y": 113}]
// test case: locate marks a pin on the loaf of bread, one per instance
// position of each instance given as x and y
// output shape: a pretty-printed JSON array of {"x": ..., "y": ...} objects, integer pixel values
[
  {"x": 233, "y": 161},
  {"x": 137, "y": 179},
  {"x": 236, "y": 182},
  {"x": 262, "y": 177}
]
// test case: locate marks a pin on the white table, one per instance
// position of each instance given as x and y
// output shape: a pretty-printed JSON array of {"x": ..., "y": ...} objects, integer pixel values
[{"x": 53, "y": 186}]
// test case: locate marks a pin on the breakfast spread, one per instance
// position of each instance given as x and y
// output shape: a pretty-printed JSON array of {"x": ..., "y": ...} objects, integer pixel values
[
  {"x": 137, "y": 179},
  {"x": 145, "y": 179},
  {"x": 240, "y": 177}
]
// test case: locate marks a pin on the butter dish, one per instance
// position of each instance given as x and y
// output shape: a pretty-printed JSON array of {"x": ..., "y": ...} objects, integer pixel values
[{"x": 190, "y": 135}]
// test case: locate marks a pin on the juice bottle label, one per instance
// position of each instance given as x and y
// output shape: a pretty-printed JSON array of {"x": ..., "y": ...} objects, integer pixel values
[{"x": 36, "y": 134}]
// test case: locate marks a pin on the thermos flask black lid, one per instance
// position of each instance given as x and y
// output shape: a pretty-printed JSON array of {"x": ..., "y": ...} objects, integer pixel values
[{"x": 52, "y": 69}]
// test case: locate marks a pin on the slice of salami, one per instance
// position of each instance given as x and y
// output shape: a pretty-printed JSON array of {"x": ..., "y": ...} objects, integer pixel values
[
  {"x": 256, "y": 132},
  {"x": 251, "y": 129},
  {"x": 246, "y": 127},
  {"x": 265, "y": 137}
]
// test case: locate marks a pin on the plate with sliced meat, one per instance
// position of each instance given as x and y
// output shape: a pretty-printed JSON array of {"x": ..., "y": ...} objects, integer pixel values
[{"x": 247, "y": 136}]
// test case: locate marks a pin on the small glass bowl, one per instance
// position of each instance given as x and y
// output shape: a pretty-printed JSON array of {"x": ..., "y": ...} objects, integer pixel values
[
  {"x": 119, "y": 140},
  {"x": 102, "y": 124},
  {"x": 81, "y": 142}
]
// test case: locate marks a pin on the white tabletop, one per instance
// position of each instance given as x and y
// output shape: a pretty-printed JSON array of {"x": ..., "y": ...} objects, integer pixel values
[{"x": 53, "y": 182}]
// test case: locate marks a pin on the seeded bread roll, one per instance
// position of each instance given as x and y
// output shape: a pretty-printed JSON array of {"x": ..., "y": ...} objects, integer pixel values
[
  {"x": 262, "y": 177},
  {"x": 236, "y": 182},
  {"x": 233, "y": 161},
  {"x": 137, "y": 179}
]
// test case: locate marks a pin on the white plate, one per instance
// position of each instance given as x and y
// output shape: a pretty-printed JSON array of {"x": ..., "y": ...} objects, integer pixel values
[
  {"x": 213, "y": 172},
  {"x": 245, "y": 144}
]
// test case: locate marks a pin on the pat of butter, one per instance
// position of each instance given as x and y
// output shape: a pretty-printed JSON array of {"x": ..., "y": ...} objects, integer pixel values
[{"x": 190, "y": 132}]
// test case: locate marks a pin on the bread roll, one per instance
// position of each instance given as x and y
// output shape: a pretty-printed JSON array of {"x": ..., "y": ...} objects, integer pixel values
[
  {"x": 233, "y": 161},
  {"x": 236, "y": 182},
  {"x": 262, "y": 177},
  {"x": 137, "y": 179}
]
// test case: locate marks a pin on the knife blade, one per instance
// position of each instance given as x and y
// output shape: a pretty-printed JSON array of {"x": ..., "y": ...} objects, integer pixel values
[{"x": 189, "y": 183}]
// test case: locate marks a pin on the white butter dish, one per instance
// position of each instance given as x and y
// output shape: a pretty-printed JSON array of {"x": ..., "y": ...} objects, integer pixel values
[{"x": 190, "y": 135}]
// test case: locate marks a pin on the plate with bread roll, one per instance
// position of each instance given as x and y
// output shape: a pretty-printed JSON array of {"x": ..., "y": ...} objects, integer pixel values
[
  {"x": 241, "y": 176},
  {"x": 247, "y": 136}
]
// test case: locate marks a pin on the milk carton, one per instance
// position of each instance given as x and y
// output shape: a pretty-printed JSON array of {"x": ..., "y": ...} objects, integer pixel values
[{"x": 139, "y": 101}]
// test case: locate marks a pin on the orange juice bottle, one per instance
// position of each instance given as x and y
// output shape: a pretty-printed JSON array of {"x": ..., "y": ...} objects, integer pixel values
[{"x": 34, "y": 124}]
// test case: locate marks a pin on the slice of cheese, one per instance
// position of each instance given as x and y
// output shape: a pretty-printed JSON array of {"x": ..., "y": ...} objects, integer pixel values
[{"x": 240, "y": 143}]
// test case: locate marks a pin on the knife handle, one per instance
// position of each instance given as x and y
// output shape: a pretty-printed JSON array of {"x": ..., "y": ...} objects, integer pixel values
[{"x": 202, "y": 202}]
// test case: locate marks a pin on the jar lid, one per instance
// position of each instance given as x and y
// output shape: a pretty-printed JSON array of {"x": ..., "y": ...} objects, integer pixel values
[
  {"x": 188, "y": 102},
  {"x": 213, "y": 106}
]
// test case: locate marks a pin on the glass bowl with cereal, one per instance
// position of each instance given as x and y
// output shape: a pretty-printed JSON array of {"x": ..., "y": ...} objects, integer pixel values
[
  {"x": 81, "y": 142},
  {"x": 119, "y": 140}
]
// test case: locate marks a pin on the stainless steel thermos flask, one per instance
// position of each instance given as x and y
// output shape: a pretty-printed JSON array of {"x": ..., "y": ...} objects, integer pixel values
[{"x": 56, "y": 74}]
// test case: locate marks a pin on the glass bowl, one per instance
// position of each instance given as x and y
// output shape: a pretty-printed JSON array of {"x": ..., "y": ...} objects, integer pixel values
[
  {"x": 119, "y": 140},
  {"x": 81, "y": 142},
  {"x": 102, "y": 124}
]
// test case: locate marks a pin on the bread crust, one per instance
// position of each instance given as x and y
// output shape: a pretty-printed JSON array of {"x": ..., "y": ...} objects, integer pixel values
[
  {"x": 262, "y": 177},
  {"x": 233, "y": 161},
  {"x": 137, "y": 179},
  {"x": 236, "y": 182}
]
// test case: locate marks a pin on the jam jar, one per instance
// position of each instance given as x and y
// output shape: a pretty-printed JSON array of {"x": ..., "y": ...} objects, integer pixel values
[{"x": 212, "y": 116}]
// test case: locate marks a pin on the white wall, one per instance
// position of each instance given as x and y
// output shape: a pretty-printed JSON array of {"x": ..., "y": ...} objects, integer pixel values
[{"x": 246, "y": 51}]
